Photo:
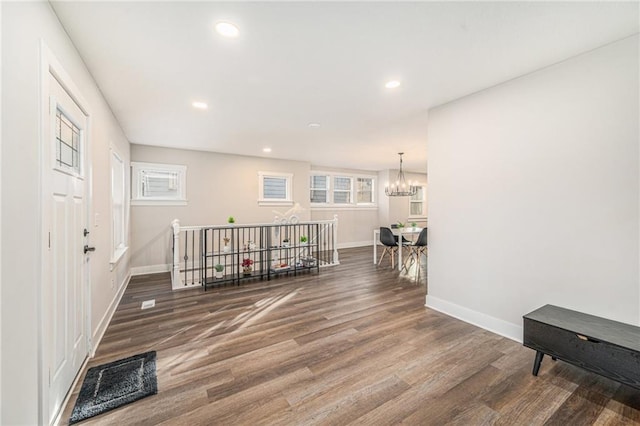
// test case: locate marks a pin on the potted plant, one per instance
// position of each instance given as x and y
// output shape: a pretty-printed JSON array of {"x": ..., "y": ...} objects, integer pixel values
[
  {"x": 246, "y": 266},
  {"x": 414, "y": 225},
  {"x": 226, "y": 247},
  {"x": 303, "y": 239},
  {"x": 219, "y": 271},
  {"x": 400, "y": 224},
  {"x": 231, "y": 220}
]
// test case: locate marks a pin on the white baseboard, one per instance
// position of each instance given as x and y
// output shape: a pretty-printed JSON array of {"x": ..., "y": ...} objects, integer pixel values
[
  {"x": 150, "y": 269},
  {"x": 106, "y": 318},
  {"x": 354, "y": 244},
  {"x": 492, "y": 324}
]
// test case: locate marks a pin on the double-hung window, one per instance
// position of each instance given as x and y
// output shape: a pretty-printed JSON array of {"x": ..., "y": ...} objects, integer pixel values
[
  {"x": 319, "y": 187},
  {"x": 342, "y": 189},
  {"x": 364, "y": 190},
  {"x": 417, "y": 206}
]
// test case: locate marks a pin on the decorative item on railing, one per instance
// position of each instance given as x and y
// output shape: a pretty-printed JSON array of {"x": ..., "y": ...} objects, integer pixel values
[
  {"x": 219, "y": 271},
  {"x": 401, "y": 188},
  {"x": 289, "y": 216},
  {"x": 246, "y": 266}
]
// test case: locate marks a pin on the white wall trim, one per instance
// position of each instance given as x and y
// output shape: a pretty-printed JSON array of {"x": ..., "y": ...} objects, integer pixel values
[
  {"x": 108, "y": 315},
  {"x": 150, "y": 269},
  {"x": 347, "y": 207},
  {"x": 353, "y": 244},
  {"x": 492, "y": 324},
  {"x": 57, "y": 420},
  {"x": 159, "y": 203}
]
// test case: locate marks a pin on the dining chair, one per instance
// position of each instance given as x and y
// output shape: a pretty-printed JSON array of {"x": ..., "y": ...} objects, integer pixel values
[
  {"x": 390, "y": 243},
  {"x": 404, "y": 240},
  {"x": 391, "y": 246},
  {"x": 416, "y": 250}
]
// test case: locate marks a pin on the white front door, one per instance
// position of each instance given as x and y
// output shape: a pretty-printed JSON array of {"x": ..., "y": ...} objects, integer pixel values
[{"x": 65, "y": 218}]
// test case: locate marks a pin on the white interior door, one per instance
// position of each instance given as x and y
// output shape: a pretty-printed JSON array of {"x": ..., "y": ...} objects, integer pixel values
[{"x": 65, "y": 278}]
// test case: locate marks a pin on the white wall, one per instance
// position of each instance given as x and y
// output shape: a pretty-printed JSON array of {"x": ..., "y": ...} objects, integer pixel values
[
  {"x": 534, "y": 192},
  {"x": 218, "y": 186},
  {"x": 24, "y": 25},
  {"x": 355, "y": 226}
]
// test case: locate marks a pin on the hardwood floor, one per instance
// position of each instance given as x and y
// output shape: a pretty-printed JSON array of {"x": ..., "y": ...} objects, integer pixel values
[{"x": 351, "y": 345}]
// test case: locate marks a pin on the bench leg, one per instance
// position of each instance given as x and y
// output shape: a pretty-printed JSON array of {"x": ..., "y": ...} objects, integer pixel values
[{"x": 537, "y": 362}]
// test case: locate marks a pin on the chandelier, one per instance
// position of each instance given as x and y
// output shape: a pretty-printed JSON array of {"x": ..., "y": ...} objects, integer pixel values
[{"x": 401, "y": 188}]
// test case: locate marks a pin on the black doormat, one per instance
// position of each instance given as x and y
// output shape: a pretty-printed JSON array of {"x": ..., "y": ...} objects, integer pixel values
[{"x": 115, "y": 384}]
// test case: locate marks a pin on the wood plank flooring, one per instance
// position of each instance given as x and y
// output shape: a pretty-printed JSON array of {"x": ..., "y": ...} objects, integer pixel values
[{"x": 351, "y": 345}]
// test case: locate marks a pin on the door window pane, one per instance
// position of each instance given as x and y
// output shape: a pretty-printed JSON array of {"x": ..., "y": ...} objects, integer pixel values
[{"x": 67, "y": 143}]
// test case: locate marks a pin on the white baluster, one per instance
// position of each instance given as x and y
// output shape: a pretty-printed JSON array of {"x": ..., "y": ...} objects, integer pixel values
[
  {"x": 336, "y": 260},
  {"x": 176, "y": 279}
]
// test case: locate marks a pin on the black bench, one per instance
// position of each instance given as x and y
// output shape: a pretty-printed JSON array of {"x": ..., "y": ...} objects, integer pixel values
[{"x": 602, "y": 346}]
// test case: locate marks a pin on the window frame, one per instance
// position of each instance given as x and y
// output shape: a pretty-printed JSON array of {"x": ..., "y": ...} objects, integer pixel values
[
  {"x": 423, "y": 202},
  {"x": 326, "y": 189},
  {"x": 70, "y": 170},
  {"x": 353, "y": 203},
  {"x": 287, "y": 201},
  {"x": 119, "y": 237},
  {"x": 137, "y": 196},
  {"x": 373, "y": 190},
  {"x": 349, "y": 191}
]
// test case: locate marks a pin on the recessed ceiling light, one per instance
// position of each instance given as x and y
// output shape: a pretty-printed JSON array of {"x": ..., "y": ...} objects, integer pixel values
[
  {"x": 200, "y": 105},
  {"x": 266, "y": 149},
  {"x": 314, "y": 125},
  {"x": 227, "y": 29},
  {"x": 392, "y": 84}
]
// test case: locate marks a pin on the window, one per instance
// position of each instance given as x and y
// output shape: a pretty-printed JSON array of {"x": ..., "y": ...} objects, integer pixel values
[
  {"x": 331, "y": 190},
  {"x": 364, "y": 190},
  {"x": 274, "y": 188},
  {"x": 118, "y": 208},
  {"x": 159, "y": 184},
  {"x": 319, "y": 189},
  {"x": 341, "y": 190},
  {"x": 417, "y": 203},
  {"x": 67, "y": 143}
]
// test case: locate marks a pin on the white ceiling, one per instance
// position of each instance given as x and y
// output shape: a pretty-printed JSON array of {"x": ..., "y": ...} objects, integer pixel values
[{"x": 325, "y": 62}]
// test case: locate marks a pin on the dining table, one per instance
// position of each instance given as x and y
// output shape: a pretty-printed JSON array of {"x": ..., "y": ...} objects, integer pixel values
[{"x": 410, "y": 232}]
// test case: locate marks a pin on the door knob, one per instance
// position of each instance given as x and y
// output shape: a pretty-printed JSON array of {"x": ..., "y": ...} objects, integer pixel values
[{"x": 87, "y": 249}]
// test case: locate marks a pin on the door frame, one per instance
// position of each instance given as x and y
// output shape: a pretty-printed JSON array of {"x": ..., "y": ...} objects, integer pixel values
[{"x": 49, "y": 64}]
